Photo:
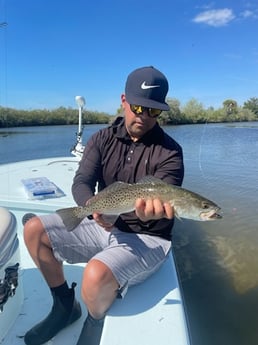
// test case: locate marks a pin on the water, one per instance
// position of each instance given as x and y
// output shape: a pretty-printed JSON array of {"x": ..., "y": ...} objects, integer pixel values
[
  {"x": 217, "y": 261},
  {"x": 17, "y": 144}
]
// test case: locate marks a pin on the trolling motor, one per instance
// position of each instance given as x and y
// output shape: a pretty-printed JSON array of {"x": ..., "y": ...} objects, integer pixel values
[
  {"x": 8, "y": 285},
  {"x": 78, "y": 148}
]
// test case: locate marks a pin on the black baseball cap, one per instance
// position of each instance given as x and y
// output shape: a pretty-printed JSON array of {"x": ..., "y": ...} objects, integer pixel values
[{"x": 148, "y": 87}]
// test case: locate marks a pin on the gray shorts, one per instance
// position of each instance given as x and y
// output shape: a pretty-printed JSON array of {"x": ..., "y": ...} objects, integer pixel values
[{"x": 131, "y": 257}]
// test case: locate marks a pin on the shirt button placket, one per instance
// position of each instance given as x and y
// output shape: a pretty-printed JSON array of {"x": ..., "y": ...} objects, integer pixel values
[{"x": 129, "y": 157}]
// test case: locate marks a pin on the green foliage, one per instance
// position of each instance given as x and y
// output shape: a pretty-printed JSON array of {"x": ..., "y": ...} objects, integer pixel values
[
  {"x": 60, "y": 116},
  {"x": 230, "y": 106},
  {"x": 252, "y": 105},
  {"x": 194, "y": 112},
  {"x": 174, "y": 115},
  {"x": 190, "y": 113}
]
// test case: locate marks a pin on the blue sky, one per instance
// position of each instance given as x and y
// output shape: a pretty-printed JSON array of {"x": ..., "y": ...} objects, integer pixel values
[{"x": 53, "y": 50}]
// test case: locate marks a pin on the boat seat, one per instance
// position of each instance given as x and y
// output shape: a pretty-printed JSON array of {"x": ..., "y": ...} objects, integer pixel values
[
  {"x": 151, "y": 312},
  {"x": 8, "y": 236},
  {"x": 11, "y": 291}
]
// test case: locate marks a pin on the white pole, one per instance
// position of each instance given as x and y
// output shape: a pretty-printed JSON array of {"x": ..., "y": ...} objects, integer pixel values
[
  {"x": 80, "y": 102},
  {"x": 80, "y": 124}
]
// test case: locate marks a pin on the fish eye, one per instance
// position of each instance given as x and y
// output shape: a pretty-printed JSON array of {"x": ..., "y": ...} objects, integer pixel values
[{"x": 205, "y": 205}]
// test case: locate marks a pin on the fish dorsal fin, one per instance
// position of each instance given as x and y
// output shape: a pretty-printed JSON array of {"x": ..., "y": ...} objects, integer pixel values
[
  {"x": 150, "y": 179},
  {"x": 116, "y": 186}
]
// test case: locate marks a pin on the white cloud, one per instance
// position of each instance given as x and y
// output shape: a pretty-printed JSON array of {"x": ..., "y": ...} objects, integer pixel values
[
  {"x": 215, "y": 18},
  {"x": 249, "y": 14}
]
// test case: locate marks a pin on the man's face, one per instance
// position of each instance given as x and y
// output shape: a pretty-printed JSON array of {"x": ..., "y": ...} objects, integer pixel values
[{"x": 136, "y": 124}]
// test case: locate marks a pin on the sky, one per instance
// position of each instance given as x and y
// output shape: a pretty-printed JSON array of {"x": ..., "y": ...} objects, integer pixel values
[{"x": 54, "y": 50}]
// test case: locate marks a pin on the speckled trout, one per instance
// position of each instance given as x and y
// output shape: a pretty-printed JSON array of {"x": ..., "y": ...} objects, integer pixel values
[{"x": 120, "y": 197}]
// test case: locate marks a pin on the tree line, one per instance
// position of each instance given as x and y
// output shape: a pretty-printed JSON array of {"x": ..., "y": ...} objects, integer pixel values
[
  {"x": 190, "y": 113},
  {"x": 10, "y": 117},
  {"x": 194, "y": 112}
]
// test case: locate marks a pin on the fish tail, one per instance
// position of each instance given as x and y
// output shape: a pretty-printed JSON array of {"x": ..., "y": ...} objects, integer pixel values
[{"x": 70, "y": 218}]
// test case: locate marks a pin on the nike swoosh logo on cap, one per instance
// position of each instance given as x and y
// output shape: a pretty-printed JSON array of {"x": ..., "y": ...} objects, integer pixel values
[{"x": 145, "y": 87}]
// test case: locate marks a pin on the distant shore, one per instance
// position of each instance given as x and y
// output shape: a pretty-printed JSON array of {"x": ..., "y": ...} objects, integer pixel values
[{"x": 191, "y": 113}]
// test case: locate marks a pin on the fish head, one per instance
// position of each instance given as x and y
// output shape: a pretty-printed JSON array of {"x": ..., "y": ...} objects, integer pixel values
[
  {"x": 194, "y": 206},
  {"x": 209, "y": 211}
]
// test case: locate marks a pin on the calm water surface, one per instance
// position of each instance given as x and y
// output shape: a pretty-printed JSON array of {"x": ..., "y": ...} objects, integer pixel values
[{"x": 217, "y": 261}]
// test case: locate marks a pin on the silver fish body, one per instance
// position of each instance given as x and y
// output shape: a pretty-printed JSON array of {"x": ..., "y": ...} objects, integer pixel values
[{"x": 120, "y": 197}]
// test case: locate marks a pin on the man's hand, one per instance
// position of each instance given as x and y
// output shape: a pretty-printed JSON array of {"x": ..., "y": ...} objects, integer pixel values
[{"x": 153, "y": 209}]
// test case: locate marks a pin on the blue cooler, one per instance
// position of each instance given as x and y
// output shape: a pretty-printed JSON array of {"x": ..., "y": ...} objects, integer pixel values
[{"x": 11, "y": 291}]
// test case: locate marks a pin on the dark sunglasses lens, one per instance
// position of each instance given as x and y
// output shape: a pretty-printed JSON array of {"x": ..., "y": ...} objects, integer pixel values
[
  {"x": 154, "y": 112},
  {"x": 138, "y": 109}
]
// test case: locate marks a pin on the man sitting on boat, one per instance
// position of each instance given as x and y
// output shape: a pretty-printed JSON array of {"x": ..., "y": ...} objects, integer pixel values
[{"x": 127, "y": 252}]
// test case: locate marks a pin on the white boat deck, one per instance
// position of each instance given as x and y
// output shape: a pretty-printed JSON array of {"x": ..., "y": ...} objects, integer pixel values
[{"x": 151, "y": 313}]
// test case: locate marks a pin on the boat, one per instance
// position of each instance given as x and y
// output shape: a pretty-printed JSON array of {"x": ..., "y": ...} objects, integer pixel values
[{"x": 151, "y": 313}]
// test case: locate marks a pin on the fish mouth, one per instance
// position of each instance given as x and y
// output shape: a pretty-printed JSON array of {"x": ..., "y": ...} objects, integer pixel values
[{"x": 211, "y": 215}]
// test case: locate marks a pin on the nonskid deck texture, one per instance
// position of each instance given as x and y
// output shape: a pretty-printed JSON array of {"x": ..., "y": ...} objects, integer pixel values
[{"x": 151, "y": 313}]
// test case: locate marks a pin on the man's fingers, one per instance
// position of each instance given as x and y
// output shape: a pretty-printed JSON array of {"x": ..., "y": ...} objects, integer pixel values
[
  {"x": 169, "y": 210},
  {"x": 153, "y": 209}
]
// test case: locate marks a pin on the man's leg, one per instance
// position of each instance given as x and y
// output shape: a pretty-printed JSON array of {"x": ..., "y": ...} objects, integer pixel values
[
  {"x": 129, "y": 259},
  {"x": 99, "y": 290},
  {"x": 40, "y": 250},
  {"x": 65, "y": 308}
]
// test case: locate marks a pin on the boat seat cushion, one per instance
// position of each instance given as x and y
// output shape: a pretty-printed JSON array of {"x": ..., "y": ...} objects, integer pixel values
[{"x": 8, "y": 234}]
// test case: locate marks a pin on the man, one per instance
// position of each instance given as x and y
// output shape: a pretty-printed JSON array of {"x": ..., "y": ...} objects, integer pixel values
[{"x": 121, "y": 254}]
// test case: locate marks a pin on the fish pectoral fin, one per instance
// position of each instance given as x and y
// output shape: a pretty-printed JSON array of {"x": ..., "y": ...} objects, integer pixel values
[
  {"x": 69, "y": 217},
  {"x": 109, "y": 218},
  {"x": 177, "y": 215}
]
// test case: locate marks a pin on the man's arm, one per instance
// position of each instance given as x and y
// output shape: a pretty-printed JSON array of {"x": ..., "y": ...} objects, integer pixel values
[{"x": 84, "y": 182}]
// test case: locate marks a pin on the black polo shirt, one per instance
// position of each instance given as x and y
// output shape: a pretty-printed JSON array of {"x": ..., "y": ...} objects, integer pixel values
[{"x": 110, "y": 155}]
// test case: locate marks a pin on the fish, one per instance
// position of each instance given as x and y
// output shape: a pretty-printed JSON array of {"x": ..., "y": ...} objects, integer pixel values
[{"x": 120, "y": 197}]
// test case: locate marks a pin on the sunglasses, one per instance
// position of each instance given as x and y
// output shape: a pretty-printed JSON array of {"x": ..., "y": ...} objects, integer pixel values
[{"x": 138, "y": 109}]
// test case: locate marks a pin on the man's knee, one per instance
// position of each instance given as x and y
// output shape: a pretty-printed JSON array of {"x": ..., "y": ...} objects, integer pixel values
[
  {"x": 99, "y": 288},
  {"x": 98, "y": 276},
  {"x": 33, "y": 230},
  {"x": 97, "y": 272}
]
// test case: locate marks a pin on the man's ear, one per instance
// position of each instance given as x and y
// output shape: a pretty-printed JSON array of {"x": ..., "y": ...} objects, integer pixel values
[{"x": 123, "y": 100}]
